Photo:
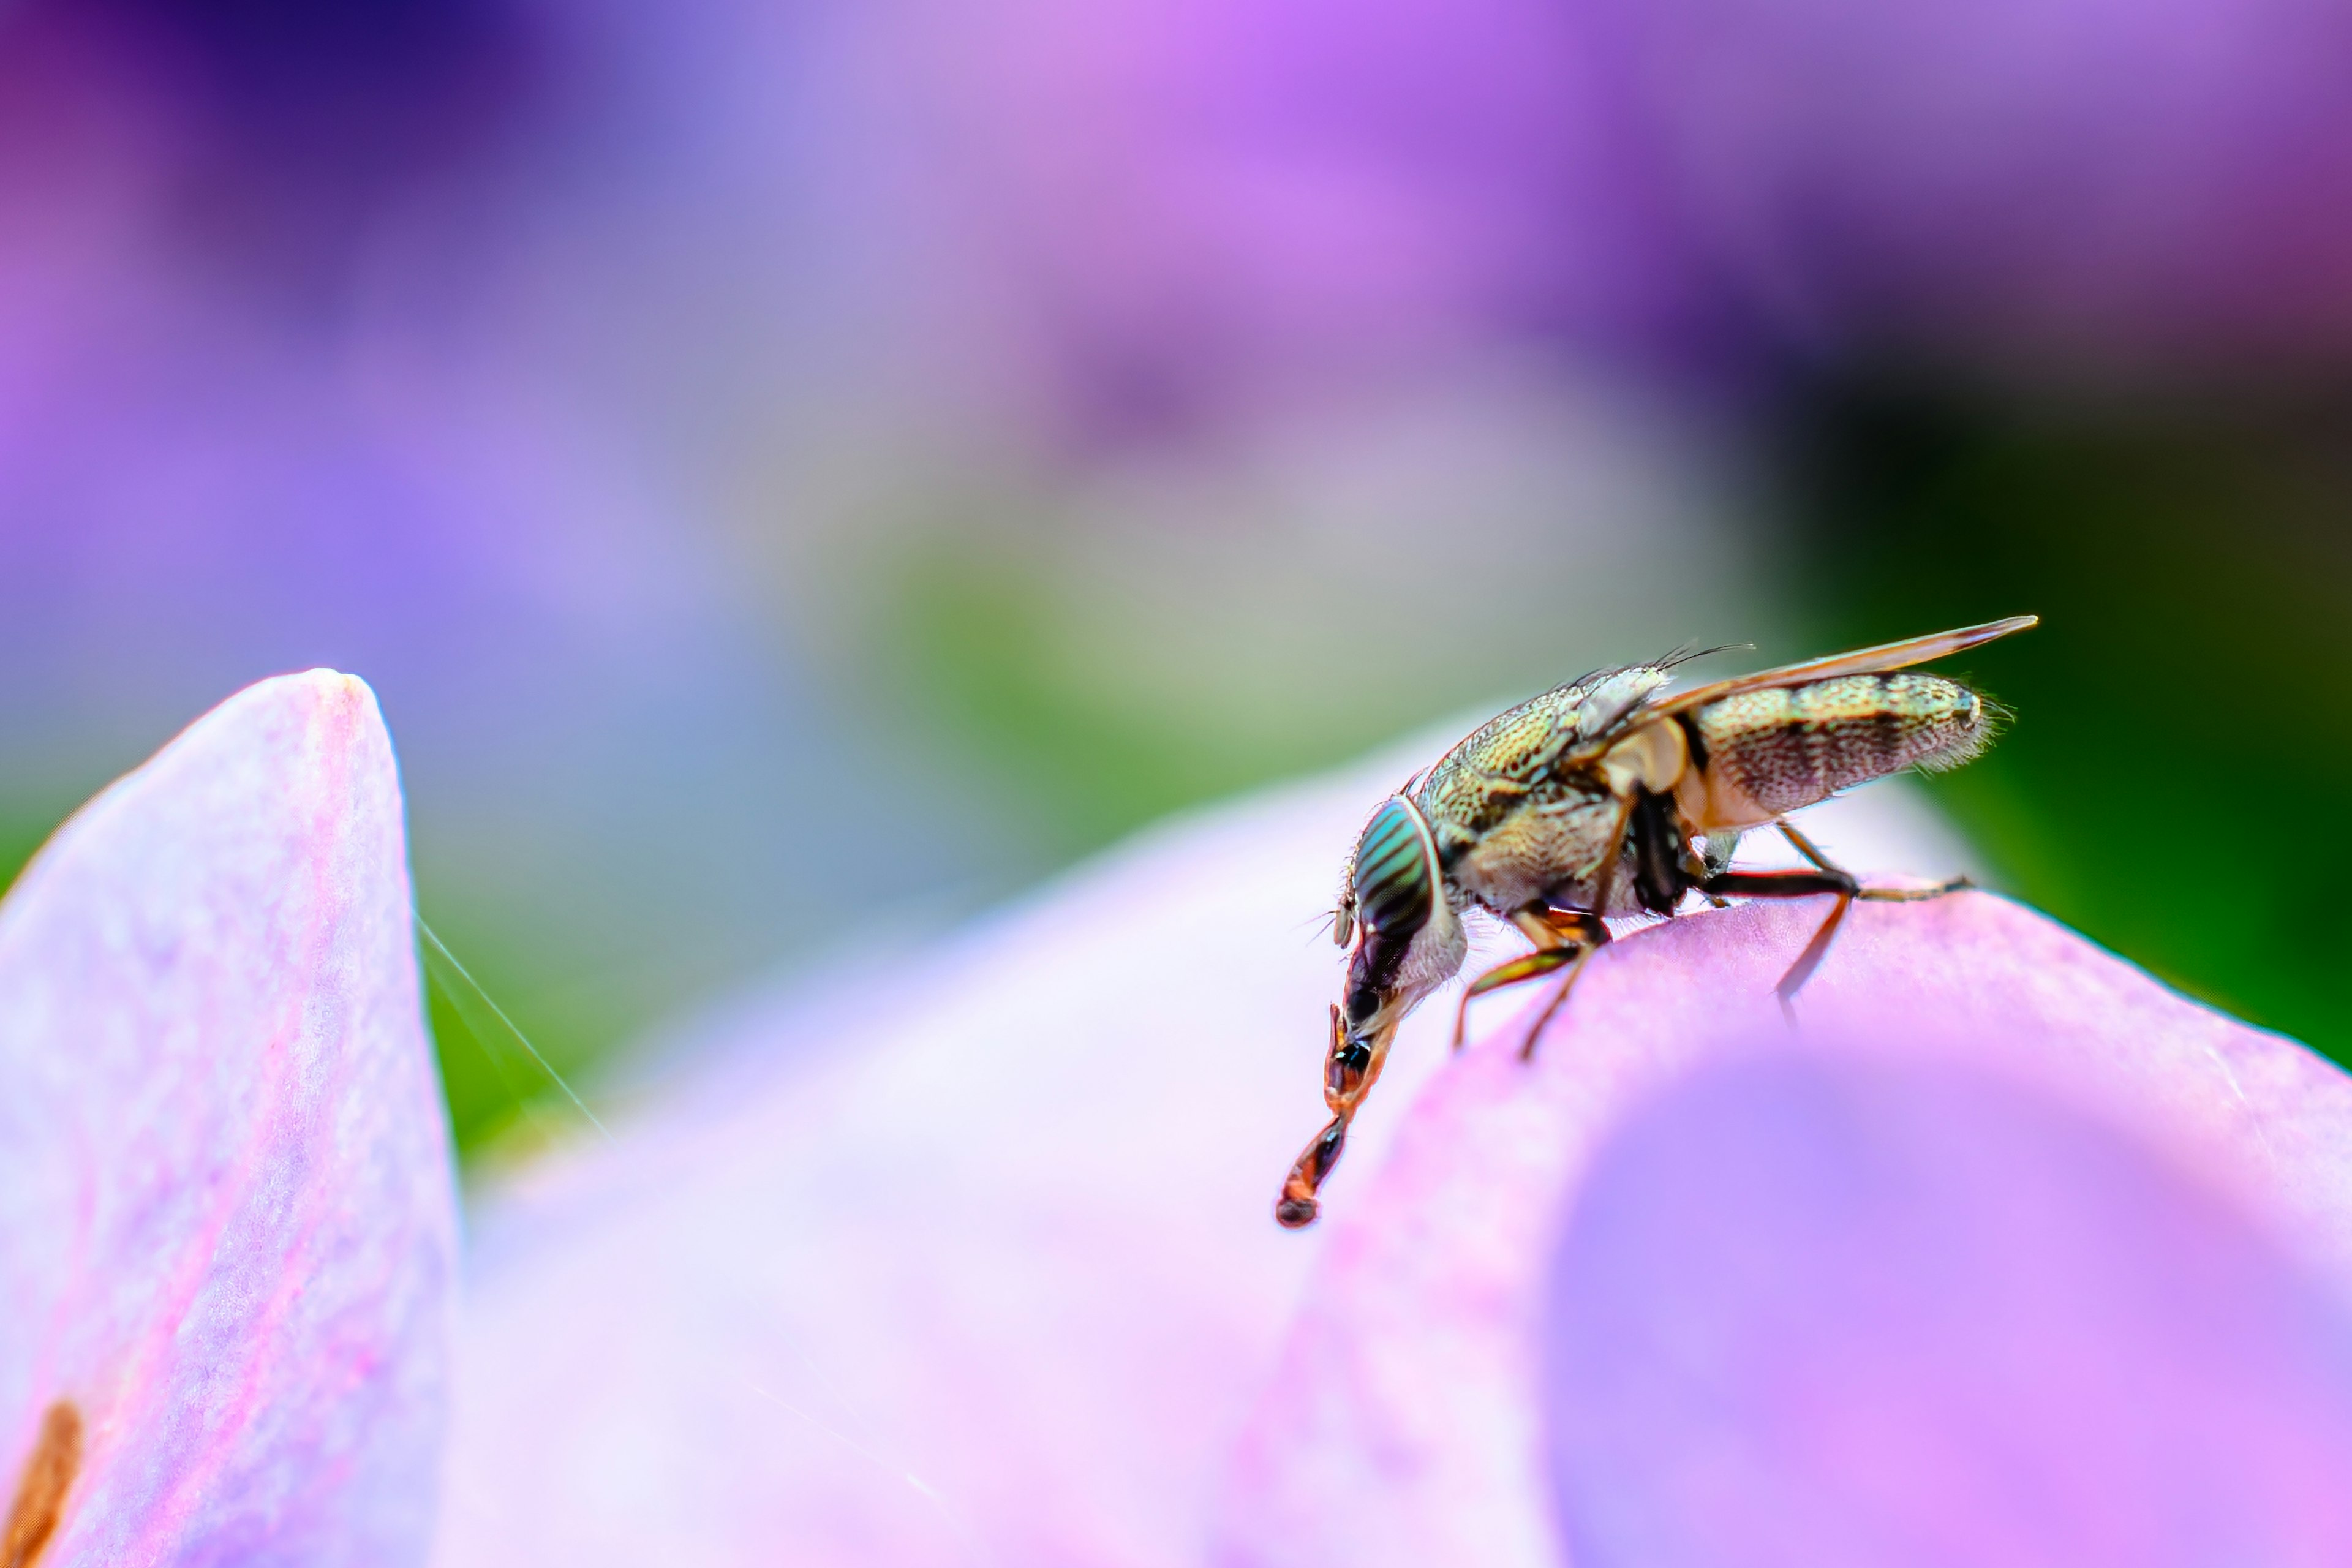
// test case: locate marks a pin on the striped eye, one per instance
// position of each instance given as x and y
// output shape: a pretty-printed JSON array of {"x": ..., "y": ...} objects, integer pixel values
[{"x": 1393, "y": 891}]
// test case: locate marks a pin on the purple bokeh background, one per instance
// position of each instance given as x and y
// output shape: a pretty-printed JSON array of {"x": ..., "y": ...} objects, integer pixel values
[
  {"x": 648, "y": 403},
  {"x": 615, "y": 387}
]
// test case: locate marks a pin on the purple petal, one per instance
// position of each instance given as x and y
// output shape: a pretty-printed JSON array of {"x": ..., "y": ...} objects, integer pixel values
[
  {"x": 2151, "y": 1144},
  {"x": 1861, "y": 1311},
  {"x": 228, "y": 1225},
  {"x": 970, "y": 1260}
]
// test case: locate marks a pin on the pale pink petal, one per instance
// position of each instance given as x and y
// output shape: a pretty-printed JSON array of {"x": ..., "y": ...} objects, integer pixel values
[
  {"x": 1855, "y": 1312},
  {"x": 2070, "y": 1134},
  {"x": 971, "y": 1258},
  {"x": 227, "y": 1222}
]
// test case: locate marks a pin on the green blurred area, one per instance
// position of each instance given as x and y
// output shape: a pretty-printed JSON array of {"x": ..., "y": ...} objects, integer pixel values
[
  {"x": 1083, "y": 733},
  {"x": 492, "y": 1098},
  {"x": 22, "y": 831},
  {"x": 577, "y": 1016},
  {"x": 2181, "y": 754}
]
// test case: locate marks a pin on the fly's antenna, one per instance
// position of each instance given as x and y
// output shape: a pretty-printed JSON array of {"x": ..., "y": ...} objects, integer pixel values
[
  {"x": 484, "y": 1019},
  {"x": 1321, "y": 922}
]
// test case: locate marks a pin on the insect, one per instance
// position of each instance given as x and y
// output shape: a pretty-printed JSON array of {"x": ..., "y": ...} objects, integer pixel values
[{"x": 1608, "y": 796}]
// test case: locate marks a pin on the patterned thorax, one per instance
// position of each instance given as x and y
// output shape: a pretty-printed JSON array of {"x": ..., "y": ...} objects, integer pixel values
[
  {"x": 1510, "y": 826},
  {"x": 1504, "y": 766}
]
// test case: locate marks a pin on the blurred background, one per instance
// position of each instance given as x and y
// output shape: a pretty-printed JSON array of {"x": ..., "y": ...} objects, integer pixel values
[{"x": 797, "y": 472}]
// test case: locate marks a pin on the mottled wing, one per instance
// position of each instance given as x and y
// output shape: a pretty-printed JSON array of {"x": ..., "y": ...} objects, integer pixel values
[{"x": 1863, "y": 661}]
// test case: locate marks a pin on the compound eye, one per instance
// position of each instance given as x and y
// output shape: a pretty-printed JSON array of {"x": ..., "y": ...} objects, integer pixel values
[{"x": 1393, "y": 877}]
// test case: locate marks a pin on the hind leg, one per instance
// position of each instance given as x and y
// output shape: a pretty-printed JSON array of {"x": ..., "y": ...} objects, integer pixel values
[
  {"x": 1811, "y": 851},
  {"x": 1839, "y": 885},
  {"x": 1825, "y": 878}
]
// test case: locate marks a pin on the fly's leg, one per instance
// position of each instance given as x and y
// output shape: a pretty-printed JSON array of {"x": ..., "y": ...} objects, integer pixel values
[
  {"x": 1558, "y": 1000},
  {"x": 1804, "y": 846},
  {"x": 1819, "y": 947},
  {"x": 1592, "y": 933},
  {"x": 1812, "y": 852},
  {"x": 1350, "y": 1070},
  {"x": 1526, "y": 966},
  {"x": 1603, "y": 895},
  {"x": 1839, "y": 885},
  {"x": 1825, "y": 878},
  {"x": 1561, "y": 937}
]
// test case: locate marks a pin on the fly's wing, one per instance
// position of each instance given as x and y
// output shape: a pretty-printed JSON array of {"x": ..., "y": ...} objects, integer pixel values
[{"x": 1863, "y": 661}]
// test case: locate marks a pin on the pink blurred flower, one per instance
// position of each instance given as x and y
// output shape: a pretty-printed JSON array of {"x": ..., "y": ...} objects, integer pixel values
[
  {"x": 1185, "y": 204},
  {"x": 2092, "y": 185},
  {"x": 970, "y": 1257},
  {"x": 227, "y": 1229}
]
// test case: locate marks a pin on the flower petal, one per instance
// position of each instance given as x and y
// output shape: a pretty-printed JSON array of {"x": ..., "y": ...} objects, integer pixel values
[
  {"x": 1849, "y": 1312},
  {"x": 228, "y": 1226},
  {"x": 1406, "y": 1425},
  {"x": 971, "y": 1258}
]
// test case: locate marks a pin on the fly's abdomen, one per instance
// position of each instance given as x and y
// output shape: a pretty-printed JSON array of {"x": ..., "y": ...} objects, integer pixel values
[{"x": 1764, "y": 753}]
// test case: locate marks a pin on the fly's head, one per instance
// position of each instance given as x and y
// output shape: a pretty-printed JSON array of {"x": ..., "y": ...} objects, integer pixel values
[{"x": 1408, "y": 939}]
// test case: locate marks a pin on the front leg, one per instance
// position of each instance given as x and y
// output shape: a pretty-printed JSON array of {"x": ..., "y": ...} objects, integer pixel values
[{"x": 1562, "y": 938}]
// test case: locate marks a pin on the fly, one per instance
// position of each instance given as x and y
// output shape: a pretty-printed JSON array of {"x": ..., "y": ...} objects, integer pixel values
[{"x": 1608, "y": 796}]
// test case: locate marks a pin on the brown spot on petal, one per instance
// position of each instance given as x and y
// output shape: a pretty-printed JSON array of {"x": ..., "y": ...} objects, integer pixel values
[{"x": 41, "y": 1489}]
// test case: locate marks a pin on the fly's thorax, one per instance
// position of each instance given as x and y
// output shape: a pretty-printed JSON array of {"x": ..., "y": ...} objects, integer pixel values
[
  {"x": 1585, "y": 890},
  {"x": 1760, "y": 755},
  {"x": 1488, "y": 776},
  {"x": 1495, "y": 769},
  {"x": 1516, "y": 743},
  {"x": 1561, "y": 835},
  {"x": 1615, "y": 695}
]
